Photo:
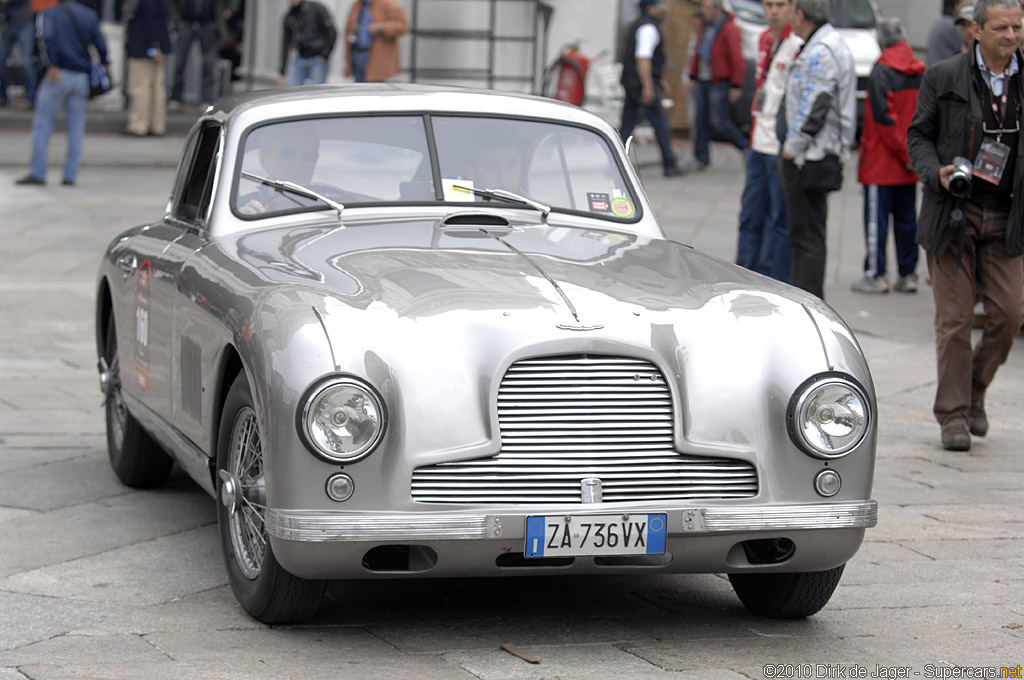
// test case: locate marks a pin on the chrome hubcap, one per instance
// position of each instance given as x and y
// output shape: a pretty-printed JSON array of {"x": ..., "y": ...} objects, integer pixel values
[
  {"x": 243, "y": 493},
  {"x": 117, "y": 413}
]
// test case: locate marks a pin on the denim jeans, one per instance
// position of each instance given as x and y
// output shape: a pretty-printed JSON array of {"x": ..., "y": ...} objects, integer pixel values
[
  {"x": 900, "y": 201},
  {"x": 25, "y": 37},
  {"x": 70, "y": 93},
  {"x": 301, "y": 69},
  {"x": 712, "y": 116},
  {"x": 360, "y": 59},
  {"x": 764, "y": 232},
  {"x": 632, "y": 113}
]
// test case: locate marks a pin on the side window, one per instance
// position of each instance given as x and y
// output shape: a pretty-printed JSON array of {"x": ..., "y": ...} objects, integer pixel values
[{"x": 195, "y": 191}]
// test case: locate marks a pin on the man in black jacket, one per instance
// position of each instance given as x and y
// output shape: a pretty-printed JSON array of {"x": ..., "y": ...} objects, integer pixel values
[
  {"x": 309, "y": 37},
  {"x": 643, "y": 59},
  {"x": 971, "y": 106}
]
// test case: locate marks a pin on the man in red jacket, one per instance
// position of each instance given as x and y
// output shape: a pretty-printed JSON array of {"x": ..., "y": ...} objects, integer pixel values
[
  {"x": 716, "y": 80},
  {"x": 885, "y": 171}
]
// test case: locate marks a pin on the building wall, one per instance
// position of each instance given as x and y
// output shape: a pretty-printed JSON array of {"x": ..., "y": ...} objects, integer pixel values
[{"x": 592, "y": 22}]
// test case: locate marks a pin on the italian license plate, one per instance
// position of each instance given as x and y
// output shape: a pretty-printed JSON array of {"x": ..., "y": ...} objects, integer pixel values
[{"x": 564, "y": 535}]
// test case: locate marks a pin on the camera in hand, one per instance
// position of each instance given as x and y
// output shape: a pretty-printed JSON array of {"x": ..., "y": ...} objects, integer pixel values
[{"x": 960, "y": 178}]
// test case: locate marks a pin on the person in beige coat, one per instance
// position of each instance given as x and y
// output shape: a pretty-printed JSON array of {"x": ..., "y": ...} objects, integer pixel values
[{"x": 373, "y": 29}]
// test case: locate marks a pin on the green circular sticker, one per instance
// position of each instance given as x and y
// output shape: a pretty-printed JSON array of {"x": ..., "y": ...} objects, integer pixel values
[{"x": 622, "y": 207}]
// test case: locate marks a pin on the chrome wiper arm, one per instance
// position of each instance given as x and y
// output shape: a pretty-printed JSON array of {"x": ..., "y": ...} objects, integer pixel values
[
  {"x": 285, "y": 185},
  {"x": 505, "y": 195}
]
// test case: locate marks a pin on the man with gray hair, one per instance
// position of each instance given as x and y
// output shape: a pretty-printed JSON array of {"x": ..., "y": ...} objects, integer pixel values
[
  {"x": 890, "y": 185},
  {"x": 971, "y": 223},
  {"x": 816, "y": 132}
]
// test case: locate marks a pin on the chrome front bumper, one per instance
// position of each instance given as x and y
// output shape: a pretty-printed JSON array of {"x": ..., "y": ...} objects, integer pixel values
[{"x": 324, "y": 527}]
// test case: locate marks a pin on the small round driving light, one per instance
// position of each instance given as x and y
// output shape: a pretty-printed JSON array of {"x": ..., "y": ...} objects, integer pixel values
[
  {"x": 342, "y": 419},
  {"x": 827, "y": 483},
  {"x": 340, "y": 487},
  {"x": 829, "y": 416}
]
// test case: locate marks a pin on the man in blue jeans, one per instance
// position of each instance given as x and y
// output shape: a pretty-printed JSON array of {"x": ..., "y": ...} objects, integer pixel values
[
  {"x": 62, "y": 35},
  {"x": 764, "y": 230},
  {"x": 717, "y": 71}
]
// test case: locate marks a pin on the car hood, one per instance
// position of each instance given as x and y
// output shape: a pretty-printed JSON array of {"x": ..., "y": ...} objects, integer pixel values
[{"x": 580, "y": 276}]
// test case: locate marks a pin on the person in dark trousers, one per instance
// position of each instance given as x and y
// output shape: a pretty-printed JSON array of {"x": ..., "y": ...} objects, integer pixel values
[
  {"x": 61, "y": 32},
  {"x": 643, "y": 61},
  {"x": 196, "y": 21},
  {"x": 763, "y": 244},
  {"x": 972, "y": 106},
  {"x": 890, "y": 185},
  {"x": 16, "y": 29},
  {"x": 309, "y": 37},
  {"x": 148, "y": 41},
  {"x": 818, "y": 126},
  {"x": 717, "y": 71}
]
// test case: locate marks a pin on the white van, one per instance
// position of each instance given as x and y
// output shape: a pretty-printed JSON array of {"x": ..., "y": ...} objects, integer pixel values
[{"x": 854, "y": 19}]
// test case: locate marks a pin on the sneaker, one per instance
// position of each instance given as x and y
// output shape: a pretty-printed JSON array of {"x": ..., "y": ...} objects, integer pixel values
[
  {"x": 174, "y": 106},
  {"x": 906, "y": 284},
  {"x": 956, "y": 437},
  {"x": 68, "y": 182},
  {"x": 674, "y": 171},
  {"x": 29, "y": 179},
  {"x": 977, "y": 419},
  {"x": 871, "y": 284}
]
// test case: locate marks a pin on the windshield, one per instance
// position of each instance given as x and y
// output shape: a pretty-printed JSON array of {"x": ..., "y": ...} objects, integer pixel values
[{"x": 361, "y": 160}]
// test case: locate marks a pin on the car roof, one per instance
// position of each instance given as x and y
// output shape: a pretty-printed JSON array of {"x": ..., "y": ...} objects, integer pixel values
[{"x": 312, "y": 100}]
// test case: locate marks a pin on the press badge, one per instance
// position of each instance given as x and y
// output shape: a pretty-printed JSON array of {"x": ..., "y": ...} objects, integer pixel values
[{"x": 991, "y": 161}]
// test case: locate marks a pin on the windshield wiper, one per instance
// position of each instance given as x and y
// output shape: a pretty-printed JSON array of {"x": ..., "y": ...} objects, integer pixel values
[
  {"x": 503, "y": 195},
  {"x": 285, "y": 185}
]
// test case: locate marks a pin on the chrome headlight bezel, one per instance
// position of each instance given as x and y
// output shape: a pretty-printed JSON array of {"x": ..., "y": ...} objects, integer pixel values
[
  {"x": 337, "y": 386},
  {"x": 803, "y": 407}
]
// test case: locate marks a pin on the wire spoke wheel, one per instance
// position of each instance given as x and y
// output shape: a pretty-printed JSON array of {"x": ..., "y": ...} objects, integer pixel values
[{"x": 246, "y": 513}]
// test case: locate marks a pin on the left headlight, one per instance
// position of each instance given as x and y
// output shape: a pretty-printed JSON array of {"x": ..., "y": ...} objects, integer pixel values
[
  {"x": 828, "y": 416},
  {"x": 342, "y": 419}
]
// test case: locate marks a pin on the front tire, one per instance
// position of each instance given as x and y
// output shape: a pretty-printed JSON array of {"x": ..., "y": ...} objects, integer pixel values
[
  {"x": 263, "y": 587},
  {"x": 786, "y": 596},
  {"x": 136, "y": 459}
]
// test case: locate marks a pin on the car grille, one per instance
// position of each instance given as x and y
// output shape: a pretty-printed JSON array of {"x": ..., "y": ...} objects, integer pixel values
[{"x": 567, "y": 418}]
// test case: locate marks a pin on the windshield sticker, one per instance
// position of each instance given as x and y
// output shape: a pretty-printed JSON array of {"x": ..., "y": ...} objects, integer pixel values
[
  {"x": 622, "y": 207},
  {"x": 455, "y": 189},
  {"x": 601, "y": 203}
]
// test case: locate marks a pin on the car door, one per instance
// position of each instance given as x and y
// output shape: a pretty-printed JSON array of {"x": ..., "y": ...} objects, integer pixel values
[{"x": 157, "y": 254}]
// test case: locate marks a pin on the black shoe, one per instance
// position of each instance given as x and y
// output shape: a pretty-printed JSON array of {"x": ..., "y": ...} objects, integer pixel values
[
  {"x": 976, "y": 418},
  {"x": 127, "y": 133},
  {"x": 675, "y": 171},
  {"x": 68, "y": 182},
  {"x": 956, "y": 438},
  {"x": 29, "y": 179}
]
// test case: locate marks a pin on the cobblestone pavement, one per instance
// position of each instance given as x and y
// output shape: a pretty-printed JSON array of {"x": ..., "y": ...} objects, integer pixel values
[{"x": 100, "y": 581}]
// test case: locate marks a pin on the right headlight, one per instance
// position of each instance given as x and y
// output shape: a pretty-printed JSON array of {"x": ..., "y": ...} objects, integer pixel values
[
  {"x": 828, "y": 416},
  {"x": 342, "y": 419}
]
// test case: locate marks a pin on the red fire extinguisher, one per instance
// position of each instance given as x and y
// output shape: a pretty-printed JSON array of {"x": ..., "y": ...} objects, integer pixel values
[
  {"x": 570, "y": 69},
  {"x": 572, "y": 76}
]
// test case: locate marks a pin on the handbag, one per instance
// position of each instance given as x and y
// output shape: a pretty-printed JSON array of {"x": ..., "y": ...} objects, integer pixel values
[
  {"x": 824, "y": 175},
  {"x": 99, "y": 77}
]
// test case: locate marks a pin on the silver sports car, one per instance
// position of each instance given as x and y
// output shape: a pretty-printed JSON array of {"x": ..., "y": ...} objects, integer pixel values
[{"x": 409, "y": 332}]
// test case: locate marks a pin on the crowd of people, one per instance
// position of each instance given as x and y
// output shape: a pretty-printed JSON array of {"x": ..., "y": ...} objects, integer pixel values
[
  {"x": 950, "y": 124},
  {"x": 56, "y": 40}
]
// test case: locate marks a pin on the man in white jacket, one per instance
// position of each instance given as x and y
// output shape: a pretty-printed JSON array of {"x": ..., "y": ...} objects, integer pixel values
[
  {"x": 818, "y": 129},
  {"x": 764, "y": 232}
]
